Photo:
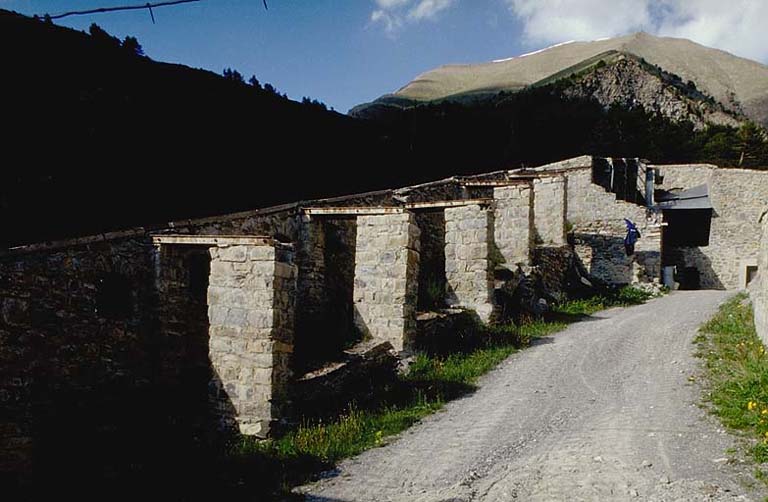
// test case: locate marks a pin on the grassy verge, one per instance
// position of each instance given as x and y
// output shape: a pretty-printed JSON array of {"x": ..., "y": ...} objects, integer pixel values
[
  {"x": 430, "y": 382},
  {"x": 737, "y": 371},
  {"x": 622, "y": 297}
]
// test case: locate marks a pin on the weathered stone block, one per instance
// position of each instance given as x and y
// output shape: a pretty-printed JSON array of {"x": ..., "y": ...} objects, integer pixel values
[{"x": 233, "y": 253}]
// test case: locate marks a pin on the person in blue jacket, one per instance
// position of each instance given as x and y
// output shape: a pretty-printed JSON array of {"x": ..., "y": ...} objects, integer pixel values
[{"x": 632, "y": 235}]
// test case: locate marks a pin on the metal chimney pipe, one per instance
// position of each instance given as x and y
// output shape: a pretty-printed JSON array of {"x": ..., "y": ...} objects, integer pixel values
[{"x": 650, "y": 176}]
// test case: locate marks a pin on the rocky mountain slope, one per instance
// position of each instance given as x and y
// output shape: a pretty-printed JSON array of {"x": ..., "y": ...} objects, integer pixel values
[
  {"x": 629, "y": 82},
  {"x": 739, "y": 85}
]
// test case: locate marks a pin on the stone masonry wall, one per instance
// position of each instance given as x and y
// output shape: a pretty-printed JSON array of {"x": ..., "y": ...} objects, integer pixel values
[
  {"x": 432, "y": 259},
  {"x": 468, "y": 267},
  {"x": 549, "y": 207},
  {"x": 738, "y": 197},
  {"x": 597, "y": 222},
  {"x": 251, "y": 303},
  {"x": 386, "y": 278},
  {"x": 512, "y": 224},
  {"x": 759, "y": 291},
  {"x": 74, "y": 339}
]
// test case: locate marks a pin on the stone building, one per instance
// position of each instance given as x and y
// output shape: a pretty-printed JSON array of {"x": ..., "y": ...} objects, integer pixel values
[
  {"x": 227, "y": 314},
  {"x": 759, "y": 288}
]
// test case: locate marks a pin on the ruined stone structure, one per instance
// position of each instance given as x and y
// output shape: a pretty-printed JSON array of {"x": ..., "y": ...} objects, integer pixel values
[
  {"x": 228, "y": 314},
  {"x": 738, "y": 197}
]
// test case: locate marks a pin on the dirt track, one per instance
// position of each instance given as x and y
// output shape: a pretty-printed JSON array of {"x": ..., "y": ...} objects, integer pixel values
[{"x": 602, "y": 411}]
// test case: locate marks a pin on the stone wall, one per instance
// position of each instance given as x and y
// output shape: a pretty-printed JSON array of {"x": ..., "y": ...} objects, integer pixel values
[
  {"x": 554, "y": 271},
  {"x": 76, "y": 348},
  {"x": 251, "y": 311},
  {"x": 549, "y": 210},
  {"x": 120, "y": 343},
  {"x": 738, "y": 197},
  {"x": 386, "y": 278},
  {"x": 468, "y": 267},
  {"x": 589, "y": 203},
  {"x": 326, "y": 261},
  {"x": 596, "y": 219},
  {"x": 513, "y": 221},
  {"x": 759, "y": 290},
  {"x": 432, "y": 259}
]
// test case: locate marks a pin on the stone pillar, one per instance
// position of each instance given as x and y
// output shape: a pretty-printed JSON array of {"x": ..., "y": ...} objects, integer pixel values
[
  {"x": 468, "y": 267},
  {"x": 250, "y": 307},
  {"x": 549, "y": 210},
  {"x": 512, "y": 224},
  {"x": 386, "y": 277}
]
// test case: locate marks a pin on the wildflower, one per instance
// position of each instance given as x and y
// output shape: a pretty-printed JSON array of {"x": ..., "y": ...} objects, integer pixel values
[{"x": 751, "y": 405}]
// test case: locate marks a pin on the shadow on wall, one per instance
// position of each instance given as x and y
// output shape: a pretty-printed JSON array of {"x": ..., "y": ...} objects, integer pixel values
[
  {"x": 322, "y": 335},
  {"x": 693, "y": 268},
  {"x": 118, "y": 404},
  {"x": 432, "y": 280},
  {"x": 605, "y": 256}
]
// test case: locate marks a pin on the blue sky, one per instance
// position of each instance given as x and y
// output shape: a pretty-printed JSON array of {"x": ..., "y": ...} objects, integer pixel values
[{"x": 345, "y": 52}]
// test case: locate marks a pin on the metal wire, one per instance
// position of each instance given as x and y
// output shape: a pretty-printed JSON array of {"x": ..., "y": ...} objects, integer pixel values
[{"x": 100, "y": 10}]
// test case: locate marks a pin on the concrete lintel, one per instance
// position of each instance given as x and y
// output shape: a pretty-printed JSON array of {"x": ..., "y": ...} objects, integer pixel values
[
  {"x": 213, "y": 240},
  {"x": 449, "y": 203},
  {"x": 512, "y": 182},
  {"x": 536, "y": 175},
  {"x": 352, "y": 211}
]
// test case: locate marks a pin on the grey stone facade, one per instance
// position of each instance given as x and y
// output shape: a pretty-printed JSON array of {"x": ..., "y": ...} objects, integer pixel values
[
  {"x": 738, "y": 197},
  {"x": 513, "y": 221},
  {"x": 468, "y": 267},
  {"x": 549, "y": 207},
  {"x": 386, "y": 278},
  {"x": 597, "y": 222}
]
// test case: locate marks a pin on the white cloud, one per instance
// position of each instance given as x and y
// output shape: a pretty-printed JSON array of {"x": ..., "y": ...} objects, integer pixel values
[
  {"x": 551, "y": 21},
  {"x": 393, "y": 14},
  {"x": 391, "y": 4},
  {"x": 736, "y": 26},
  {"x": 428, "y": 9}
]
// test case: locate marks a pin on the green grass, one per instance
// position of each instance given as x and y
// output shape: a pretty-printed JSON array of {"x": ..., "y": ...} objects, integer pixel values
[
  {"x": 737, "y": 371},
  {"x": 623, "y": 297}
]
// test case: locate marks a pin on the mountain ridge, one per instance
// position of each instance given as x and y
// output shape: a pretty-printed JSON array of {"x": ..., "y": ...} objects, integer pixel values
[{"x": 740, "y": 84}]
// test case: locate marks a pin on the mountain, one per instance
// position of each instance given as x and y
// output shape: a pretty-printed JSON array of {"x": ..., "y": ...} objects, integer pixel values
[{"x": 739, "y": 86}]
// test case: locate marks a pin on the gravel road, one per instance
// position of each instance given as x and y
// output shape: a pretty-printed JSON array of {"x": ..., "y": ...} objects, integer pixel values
[{"x": 605, "y": 410}]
